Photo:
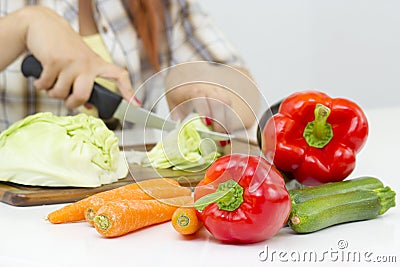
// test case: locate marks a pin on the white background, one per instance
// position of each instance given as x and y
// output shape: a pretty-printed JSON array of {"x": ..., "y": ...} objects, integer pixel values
[{"x": 347, "y": 48}]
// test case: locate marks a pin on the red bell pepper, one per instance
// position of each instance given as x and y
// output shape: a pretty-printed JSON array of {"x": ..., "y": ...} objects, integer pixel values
[
  {"x": 242, "y": 199},
  {"x": 315, "y": 137}
]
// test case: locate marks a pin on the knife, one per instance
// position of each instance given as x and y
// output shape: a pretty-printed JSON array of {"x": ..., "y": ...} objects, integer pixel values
[{"x": 112, "y": 105}]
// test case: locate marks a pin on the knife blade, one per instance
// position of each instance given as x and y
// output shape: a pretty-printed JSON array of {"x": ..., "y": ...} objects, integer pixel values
[{"x": 111, "y": 105}]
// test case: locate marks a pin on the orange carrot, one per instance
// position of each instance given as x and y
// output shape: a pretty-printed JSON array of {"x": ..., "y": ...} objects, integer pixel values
[
  {"x": 185, "y": 220},
  {"x": 116, "y": 218},
  {"x": 76, "y": 211},
  {"x": 156, "y": 191}
]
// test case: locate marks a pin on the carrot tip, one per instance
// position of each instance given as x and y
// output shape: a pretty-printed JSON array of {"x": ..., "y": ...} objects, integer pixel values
[{"x": 102, "y": 222}]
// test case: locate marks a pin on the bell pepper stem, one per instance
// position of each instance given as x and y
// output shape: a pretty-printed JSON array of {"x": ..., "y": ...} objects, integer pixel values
[
  {"x": 228, "y": 196},
  {"x": 318, "y": 133}
]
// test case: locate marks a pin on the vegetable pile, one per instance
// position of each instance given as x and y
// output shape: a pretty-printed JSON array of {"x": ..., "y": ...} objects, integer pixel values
[
  {"x": 48, "y": 150},
  {"x": 243, "y": 198}
]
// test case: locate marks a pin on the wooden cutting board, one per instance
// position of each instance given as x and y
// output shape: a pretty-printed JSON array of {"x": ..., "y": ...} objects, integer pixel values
[{"x": 20, "y": 195}]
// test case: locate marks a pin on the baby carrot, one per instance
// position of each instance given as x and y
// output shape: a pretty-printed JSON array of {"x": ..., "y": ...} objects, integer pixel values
[
  {"x": 185, "y": 221},
  {"x": 76, "y": 211},
  {"x": 116, "y": 218},
  {"x": 156, "y": 191}
]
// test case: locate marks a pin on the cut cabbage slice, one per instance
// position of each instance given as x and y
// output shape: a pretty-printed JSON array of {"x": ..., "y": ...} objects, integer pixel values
[{"x": 180, "y": 149}]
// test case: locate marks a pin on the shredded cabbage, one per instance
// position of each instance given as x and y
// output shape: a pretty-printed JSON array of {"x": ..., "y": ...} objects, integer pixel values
[
  {"x": 48, "y": 150},
  {"x": 180, "y": 149}
]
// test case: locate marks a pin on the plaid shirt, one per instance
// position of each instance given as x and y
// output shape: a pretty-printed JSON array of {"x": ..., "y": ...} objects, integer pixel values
[{"x": 189, "y": 36}]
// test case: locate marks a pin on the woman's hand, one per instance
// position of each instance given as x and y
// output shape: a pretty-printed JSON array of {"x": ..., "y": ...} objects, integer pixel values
[
  {"x": 225, "y": 95},
  {"x": 67, "y": 61},
  {"x": 211, "y": 101}
]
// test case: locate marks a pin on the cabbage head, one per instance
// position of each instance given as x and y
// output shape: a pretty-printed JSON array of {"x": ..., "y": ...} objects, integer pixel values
[{"x": 48, "y": 150}]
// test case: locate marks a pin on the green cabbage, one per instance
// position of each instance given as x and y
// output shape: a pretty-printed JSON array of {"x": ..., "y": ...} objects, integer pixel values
[
  {"x": 181, "y": 149},
  {"x": 48, "y": 150}
]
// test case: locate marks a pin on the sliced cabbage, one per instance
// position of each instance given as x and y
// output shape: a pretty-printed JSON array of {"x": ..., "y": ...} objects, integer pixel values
[
  {"x": 180, "y": 149},
  {"x": 48, "y": 150}
]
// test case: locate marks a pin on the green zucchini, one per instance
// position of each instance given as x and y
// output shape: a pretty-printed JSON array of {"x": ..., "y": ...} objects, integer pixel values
[
  {"x": 324, "y": 211},
  {"x": 306, "y": 193}
]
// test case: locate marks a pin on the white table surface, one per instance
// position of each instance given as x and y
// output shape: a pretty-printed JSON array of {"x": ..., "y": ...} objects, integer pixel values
[{"x": 28, "y": 240}]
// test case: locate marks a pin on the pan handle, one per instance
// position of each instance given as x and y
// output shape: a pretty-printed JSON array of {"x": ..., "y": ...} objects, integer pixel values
[{"x": 272, "y": 110}]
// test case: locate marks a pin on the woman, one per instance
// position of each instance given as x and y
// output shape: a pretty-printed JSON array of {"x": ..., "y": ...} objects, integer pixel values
[{"x": 122, "y": 41}]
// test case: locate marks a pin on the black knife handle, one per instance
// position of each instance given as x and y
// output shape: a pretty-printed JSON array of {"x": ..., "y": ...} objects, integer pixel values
[
  {"x": 103, "y": 99},
  {"x": 31, "y": 67}
]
